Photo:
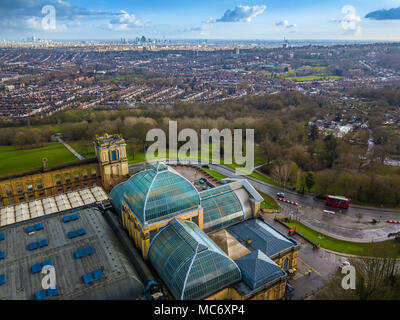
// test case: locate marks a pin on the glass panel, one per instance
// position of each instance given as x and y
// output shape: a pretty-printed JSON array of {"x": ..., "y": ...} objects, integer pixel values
[{"x": 190, "y": 264}]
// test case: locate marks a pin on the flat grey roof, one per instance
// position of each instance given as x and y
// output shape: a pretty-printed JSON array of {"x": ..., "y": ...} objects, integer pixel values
[
  {"x": 262, "y": 236},
  {"x": 120, "y": 280}
]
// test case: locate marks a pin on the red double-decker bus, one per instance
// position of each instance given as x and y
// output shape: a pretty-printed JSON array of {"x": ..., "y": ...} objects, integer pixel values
[{"x": 337, "y": 201}]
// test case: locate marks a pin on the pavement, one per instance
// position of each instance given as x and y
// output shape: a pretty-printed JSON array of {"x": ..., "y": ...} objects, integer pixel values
[
  {"x": 340, "y": 225},
  {"x": 344, "y": 224},
  {"x": 322, "y": 263},
  {"x": 76, "y": 154}
]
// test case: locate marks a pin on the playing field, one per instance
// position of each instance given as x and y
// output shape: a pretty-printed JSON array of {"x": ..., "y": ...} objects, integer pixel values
[{"x": 14, "y": 160}]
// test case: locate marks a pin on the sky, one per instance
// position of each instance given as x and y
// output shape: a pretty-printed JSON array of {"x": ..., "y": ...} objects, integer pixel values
[{"x": 205, "y": 19}]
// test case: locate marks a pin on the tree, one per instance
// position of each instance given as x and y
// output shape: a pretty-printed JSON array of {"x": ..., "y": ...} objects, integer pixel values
[
  {"x": 324, "y": 180},
  {"x": 270, "y": 151},
  {"x": 274, "y": 129},
  {"x": 376, "y": 279},
  {"x": 309, "y": 180},
  {"x": 314, "y": 132},
  {"x": 281, "y": 173}
]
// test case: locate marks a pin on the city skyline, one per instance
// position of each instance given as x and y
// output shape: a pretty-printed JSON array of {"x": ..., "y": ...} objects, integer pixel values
[{"x": 238, "y": 20}]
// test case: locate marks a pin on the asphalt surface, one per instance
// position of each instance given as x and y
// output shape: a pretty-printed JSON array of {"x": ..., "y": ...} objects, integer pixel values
[
  {"x": 344, "y": 224},
  {"x": 353, "y": 224},
  {"x": 322, "y": 263}
]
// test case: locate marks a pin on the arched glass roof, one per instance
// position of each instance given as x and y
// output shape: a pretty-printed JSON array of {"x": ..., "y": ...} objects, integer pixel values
[
  {"x": 190, "y": 263},
  {"x": 221, "y": 207},
  {"x": 155, "y": 194}
]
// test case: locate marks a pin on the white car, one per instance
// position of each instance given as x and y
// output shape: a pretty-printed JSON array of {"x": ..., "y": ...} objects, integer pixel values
[
  {"x": 344, "y": 264},
  {"x": 280, "y": 195}
]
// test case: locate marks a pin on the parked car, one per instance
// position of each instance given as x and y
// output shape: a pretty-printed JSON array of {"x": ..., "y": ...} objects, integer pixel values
[
  {"x": 280, "y": 195},
  {"x": 344, "y": 264}
]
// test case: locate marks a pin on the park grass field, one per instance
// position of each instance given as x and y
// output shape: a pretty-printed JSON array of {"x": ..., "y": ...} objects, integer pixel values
[
  {"x": 13, "y": 160},
  {"x": 84, "y": 148},
  {"x": 269, "y": 202},
  {"x": 312, "y": 78},
  {"x": 389, "y": 248},
  {"x": 215, "y": 174}
]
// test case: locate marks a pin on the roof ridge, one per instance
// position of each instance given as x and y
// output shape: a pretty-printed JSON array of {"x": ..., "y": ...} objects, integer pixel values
[{"x": 147, "y": 195}]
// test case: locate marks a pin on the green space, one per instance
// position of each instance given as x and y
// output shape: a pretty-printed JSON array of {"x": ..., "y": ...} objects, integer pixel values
[
  {"x": 253, "y": 174},
  {"x": 269, "y": 202},
  {"x": 14, "y": 160},
  {"x": 312, "y": 78},
  {"x": 84, "y": 148},
  {"x": 389, "y": 248},
  {"x": 215, "y": 174}
]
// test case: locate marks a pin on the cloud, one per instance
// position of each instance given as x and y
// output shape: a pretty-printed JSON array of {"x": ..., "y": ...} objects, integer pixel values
[
  {"x": 202, "y": 30},
  {"x": 124, "y": 21},
  {"x": 285, "y": 23},
  {"x": 26, "y": 15},
  {"x": 391, "y": 14},
  {"x": 350, "y": 20},
  {"x": 241, "y": 13}
]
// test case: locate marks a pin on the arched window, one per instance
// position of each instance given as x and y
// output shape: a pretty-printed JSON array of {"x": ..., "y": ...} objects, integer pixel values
[
  {"x": 58, "y": 179},
  {"x": 285, "y": 264},
  {"x": 18, "y": 186},
  {"x": 84, "y": 173},
  {"x": 76, "y": 176},
  {"x": 39, "y": 184},
  {"x": 93, "y": 172}
]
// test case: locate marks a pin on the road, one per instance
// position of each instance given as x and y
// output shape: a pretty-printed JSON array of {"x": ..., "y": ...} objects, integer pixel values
[
  {"x": 307, "y": 199},
  {"x": 354, "y": 224}
]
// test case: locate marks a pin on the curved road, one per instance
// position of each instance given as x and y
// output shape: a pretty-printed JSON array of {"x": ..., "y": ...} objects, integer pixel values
[{"x": 353, "y": 224}]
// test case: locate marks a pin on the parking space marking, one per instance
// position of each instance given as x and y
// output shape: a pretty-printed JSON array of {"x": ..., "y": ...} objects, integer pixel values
[{"x": 310, "y": 267}]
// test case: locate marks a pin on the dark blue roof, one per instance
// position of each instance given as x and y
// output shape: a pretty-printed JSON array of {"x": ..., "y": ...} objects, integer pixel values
[
  {"x": 258, "y": 270},
  {"x": 263, "y": 237}
]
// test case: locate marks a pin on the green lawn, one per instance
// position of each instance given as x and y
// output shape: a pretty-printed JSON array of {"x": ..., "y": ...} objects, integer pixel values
[
  {"x": 215, "y": 174},
  {"x": 311, "y": 78},
  {"x": 84, "y": 148},
  {"x": 269, "y": 202},
  {"x": 14, "y": 160},
  {"x": 389, "y": 248}
]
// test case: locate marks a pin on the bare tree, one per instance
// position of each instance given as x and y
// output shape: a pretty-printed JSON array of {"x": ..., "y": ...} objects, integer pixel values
[{"x": 281, "y": 173}]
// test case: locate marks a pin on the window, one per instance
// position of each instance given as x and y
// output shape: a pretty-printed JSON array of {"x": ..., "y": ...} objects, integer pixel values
[
  {"x": 9, "y": 192},
  {"x": 29, "y": 186},
  {"x": 39, "y": 184},
  {"x": 18, "y": 186},
  {"x": 93, "y": 172},
  {"x": 76, "y": 176},
  {"x": 84, "y": 174},
  {"x": 67, "y": 177},
  {"x": 114, "y": 155},
  {"x": 285, "y": 264},
  {"x": 58, "y": 179}
]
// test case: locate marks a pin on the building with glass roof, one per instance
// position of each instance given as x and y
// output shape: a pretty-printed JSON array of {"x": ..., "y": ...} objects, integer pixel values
[
  {"x": 156, "y": 193},
  {"x": 169, "y": 219},
  {"x": 191, "y": 264},
  {"x": 151, "y": 198}
]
